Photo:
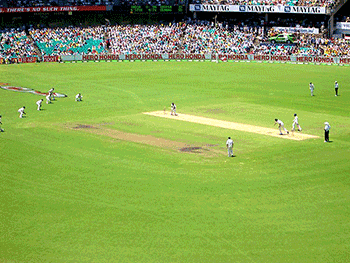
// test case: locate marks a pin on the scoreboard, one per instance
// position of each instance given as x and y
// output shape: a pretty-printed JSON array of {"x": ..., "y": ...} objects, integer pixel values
[{"x": 163, "y": 9}]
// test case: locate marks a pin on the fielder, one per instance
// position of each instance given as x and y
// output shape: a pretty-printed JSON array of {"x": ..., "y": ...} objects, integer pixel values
[
  {"x": 336, "y": 86},
  {"x": 52, "y": 97},
  {"x": 173, "y": 109},
  {"x": 312, "y": 87},
  {"x": 1, "y": 130},
  {"x": 78, "y": 97},
  {"x": 296, "y": 122},
  {"x": 229, "y": 145},
  {"x": 39, "y": 103},
  {"x": 21, "y": 112},
  {"x": 48, "y": 98},
  {"x": 280, "y": 126}
]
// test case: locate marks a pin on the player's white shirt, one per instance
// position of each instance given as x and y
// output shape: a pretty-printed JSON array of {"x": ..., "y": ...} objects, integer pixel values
[
  {"x": 312, "y": 86},
  {"x": 78, "y": 96},
  {"x": 21, "y": 110},
  {"x": 173, "y": 106},
  {"x": 327, "y": 127},
  {"x": 39, "y": 102},
  {"x": 296, "y": 120},
  {"x": 280, "y": 122},
  {"x": 336, "y": 85},
  {"x": 229, "y": 143},
  {"x": 51, "y": 90}
]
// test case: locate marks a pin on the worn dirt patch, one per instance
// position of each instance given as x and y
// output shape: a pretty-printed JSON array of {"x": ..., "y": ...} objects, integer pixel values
[
  {"x": 233, "y": 125},
  {"x": 83, "y": 126},
  {"x": 150, "y": 140},
  {"x": 193, "y": 149}
]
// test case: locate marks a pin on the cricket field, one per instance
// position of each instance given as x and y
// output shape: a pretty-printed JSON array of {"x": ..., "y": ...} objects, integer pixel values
[{"x": 101, "y": 181}]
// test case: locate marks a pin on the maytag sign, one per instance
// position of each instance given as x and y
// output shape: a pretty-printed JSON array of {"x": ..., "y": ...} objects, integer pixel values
[
  {"x": 259, "y": 9},
  {"x": 343, "y": 25}
]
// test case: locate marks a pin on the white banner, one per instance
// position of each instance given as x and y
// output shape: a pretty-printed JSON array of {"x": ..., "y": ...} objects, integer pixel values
[
  {"x": 259, "y": 9},
  {"x": 303, "y": 30},
  {"x": 213, "y": 56},
  {"x": 68, "y": 58},
  {"x": 343, "y": 25}
]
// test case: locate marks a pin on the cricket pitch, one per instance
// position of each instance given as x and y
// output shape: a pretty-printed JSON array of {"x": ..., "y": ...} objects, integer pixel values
[{"x": 233, "y": 125}]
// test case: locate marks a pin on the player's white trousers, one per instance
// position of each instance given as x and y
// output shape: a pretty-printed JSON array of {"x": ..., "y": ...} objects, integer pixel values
[
  {"x": 293, "y": 127},
  {"x": 282, "y": 127}
]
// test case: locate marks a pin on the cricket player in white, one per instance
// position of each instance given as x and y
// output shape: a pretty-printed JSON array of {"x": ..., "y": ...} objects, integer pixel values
[
  {"x": 21, "y": 112},
  {"x": 229, "y": 145},
  {"x": 296, "y": 122},
  {"x": 39, "y": 103},
  {"x": 312, "y": 87},
  {"x": 48, "y": 98},
  {"x": 173, "y": 109},
  {"x": 78, "y": 97},
  {"x": 52, "y": 97},
  {"x": 1, "y": 130},
  {"x": 281, "y": 126}
]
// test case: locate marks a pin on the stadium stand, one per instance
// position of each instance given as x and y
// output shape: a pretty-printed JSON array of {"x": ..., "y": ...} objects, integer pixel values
[
  {"x": 69, "y": 40},
  {"x": 189, "y": 33},
  {"x": 15, "y": 43},
  {"x": 198, "y": 37},
  {"x": 145, "y": 38}
]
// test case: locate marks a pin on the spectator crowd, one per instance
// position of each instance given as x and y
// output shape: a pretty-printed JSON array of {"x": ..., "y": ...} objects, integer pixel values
[
  {"x": 69, "y": 40},
  {"x": 15, "y": 43},
  {"x": 145, "y": 38},
  {"x": 198, "y": 37}
]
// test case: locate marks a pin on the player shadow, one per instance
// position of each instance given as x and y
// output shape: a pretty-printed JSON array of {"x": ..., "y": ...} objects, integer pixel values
[{"x": 329, "y": 141}]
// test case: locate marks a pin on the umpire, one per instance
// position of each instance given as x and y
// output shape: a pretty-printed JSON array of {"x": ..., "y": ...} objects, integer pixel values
[
  {"x": 336, "y": 87},
  {"x": 327, "y": 127}
]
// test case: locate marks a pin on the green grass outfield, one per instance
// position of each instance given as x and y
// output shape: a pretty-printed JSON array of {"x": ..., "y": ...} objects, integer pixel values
[{"x": 72, "y": 195}]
